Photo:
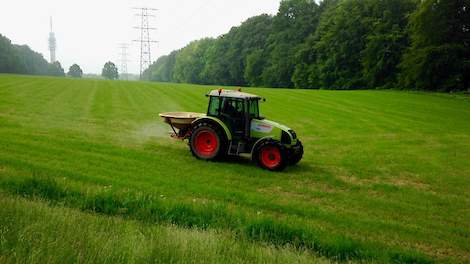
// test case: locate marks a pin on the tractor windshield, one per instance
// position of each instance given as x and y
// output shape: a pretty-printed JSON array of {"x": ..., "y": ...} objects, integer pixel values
[{"x": 254, "y": 110}]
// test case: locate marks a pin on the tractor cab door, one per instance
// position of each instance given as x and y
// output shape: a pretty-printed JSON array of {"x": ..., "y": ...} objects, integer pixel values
[{"x": 232, "y": 113}]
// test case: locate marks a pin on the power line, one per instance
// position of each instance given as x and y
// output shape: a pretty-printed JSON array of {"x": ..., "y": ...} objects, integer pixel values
[
  {"x": 145, "y": 41},
  {"x": 123, "y": 59}
]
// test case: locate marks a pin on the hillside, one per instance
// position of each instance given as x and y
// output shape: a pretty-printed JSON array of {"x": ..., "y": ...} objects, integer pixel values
[{"x": 87, "y": 172}]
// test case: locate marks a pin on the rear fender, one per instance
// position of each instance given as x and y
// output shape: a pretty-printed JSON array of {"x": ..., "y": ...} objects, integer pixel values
[{"x": 216, "y": 121}]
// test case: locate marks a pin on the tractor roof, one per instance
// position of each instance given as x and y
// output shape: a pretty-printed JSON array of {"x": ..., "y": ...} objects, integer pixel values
[{"x": 233, "y": 94}]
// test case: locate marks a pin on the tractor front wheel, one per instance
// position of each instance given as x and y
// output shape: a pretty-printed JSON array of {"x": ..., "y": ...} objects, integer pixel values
[
  {"x": 296, "y": 153},
  {"x": 207, "y": 142},
  {"x": 272, "y": 156}
]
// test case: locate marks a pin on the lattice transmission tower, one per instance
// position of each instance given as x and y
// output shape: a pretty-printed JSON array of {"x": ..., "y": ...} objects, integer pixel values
[
  {"x": 145, "y": 41},
  {"x": 123, "y": 60}
]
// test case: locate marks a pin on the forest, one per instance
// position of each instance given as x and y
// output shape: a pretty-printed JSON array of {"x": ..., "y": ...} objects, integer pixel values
[
  {"x": 23, "y": 60},
  {"x": 336, "y": 44}
]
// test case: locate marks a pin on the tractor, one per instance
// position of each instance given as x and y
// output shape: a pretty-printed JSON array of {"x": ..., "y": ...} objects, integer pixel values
[{"x": 233, "y": 126}]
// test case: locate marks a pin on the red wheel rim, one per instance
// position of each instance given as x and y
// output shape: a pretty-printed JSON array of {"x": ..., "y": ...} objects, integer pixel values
[
  {"x": 206, "y": 143},
  {"x": 270, "y": 157}
]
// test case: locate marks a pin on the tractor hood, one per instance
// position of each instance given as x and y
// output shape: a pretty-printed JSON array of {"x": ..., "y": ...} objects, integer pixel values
[
  {"x": 267, "y": 128},
  {"x": 265, "y": 124}
]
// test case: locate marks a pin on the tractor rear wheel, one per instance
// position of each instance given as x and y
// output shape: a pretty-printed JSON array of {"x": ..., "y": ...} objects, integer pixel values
[
  {"x": 272, "y": 156},
  {"x": 207, "y": 142}
]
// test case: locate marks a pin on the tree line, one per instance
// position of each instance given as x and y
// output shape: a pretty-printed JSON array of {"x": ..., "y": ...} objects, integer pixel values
[
  {"x": 21, "y": 59},
  {"x": 337, "y": 44}
]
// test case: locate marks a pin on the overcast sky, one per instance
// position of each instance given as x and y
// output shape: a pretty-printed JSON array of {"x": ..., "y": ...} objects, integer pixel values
[{"x": 89, "y": 32}]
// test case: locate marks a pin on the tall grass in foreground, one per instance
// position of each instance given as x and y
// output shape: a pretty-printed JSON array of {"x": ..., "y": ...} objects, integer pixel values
[
  {"x": 32, "y": 232},
  {"x": 150, "y": 209}
]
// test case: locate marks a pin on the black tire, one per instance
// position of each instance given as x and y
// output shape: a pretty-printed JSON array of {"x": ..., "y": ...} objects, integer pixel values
[
  {"x": 295, "y": 157},
  {"x": 207, "y": 127},
  {"x": 260, "y": 157}
]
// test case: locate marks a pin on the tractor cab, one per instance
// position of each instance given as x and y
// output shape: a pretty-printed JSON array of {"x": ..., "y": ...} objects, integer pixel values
[{"x": 236, "y": 109}]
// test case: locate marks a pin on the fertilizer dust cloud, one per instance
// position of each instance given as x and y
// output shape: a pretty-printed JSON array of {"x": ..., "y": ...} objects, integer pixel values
[{"x": 150, "y": 131}]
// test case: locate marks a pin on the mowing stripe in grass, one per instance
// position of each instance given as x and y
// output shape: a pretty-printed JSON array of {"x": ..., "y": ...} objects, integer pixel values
[
  {"x": 240, "y": 198},
  {"x": 382, "y": 167},
  {"x": 149, "y": 208}
]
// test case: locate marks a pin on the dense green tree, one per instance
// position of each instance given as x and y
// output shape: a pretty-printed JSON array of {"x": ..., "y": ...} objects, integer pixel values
[
  {"x": 75, "y": 71},
  {"x": 358, "y": 44},
  {"x": 110, "y": 71},
  {"x": 162, "y": 69},
  {"x": 255, "y": 62},
  {"x": 330, "y": 57},
  {"x": 386, "y": 41},
  {"x": 216, "y": 65},
  {"x": 226, "y": 61},
  {"x": 32, "y": 62},
  {"x": 294, "y": 22},
  {"x": 9, "y": 60},
  {"x": 189, "y": 62},
  {"x": 55, "y": 69},
  {"x": 439, "y": 56}
]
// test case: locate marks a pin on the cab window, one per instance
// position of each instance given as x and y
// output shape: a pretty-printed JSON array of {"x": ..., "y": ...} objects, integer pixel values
[
  {"x": 213, "y": 106},
  {"x": 232, "y": 107},
  {"x": 254, "y": 110}
]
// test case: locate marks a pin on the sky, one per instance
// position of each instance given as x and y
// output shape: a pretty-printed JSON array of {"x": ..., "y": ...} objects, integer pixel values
[{"x": 89, "y": 32}]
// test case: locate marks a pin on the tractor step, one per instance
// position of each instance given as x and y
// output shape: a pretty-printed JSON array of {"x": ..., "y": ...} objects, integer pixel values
[{"x": 235, "y": 148}]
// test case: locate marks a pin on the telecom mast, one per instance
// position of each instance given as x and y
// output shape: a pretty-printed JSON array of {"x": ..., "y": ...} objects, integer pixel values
[
  {"x": 145, "y": 41},
  {"x": 52, "y": 43}
]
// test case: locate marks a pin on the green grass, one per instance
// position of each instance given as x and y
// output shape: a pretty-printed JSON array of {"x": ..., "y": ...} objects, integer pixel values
[
  {"x": 36, "y": 233},
  {"x": 385, "y": 176}
]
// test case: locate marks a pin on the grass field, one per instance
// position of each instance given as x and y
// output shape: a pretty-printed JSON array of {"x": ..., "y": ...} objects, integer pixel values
[{"x": 88, "y": 174}]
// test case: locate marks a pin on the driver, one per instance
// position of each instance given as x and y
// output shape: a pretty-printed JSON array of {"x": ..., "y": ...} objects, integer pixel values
[{"x": 229, "y": 109}]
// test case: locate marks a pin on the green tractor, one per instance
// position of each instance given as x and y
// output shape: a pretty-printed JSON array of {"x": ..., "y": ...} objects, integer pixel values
[{"x": 233, "y": 126}]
